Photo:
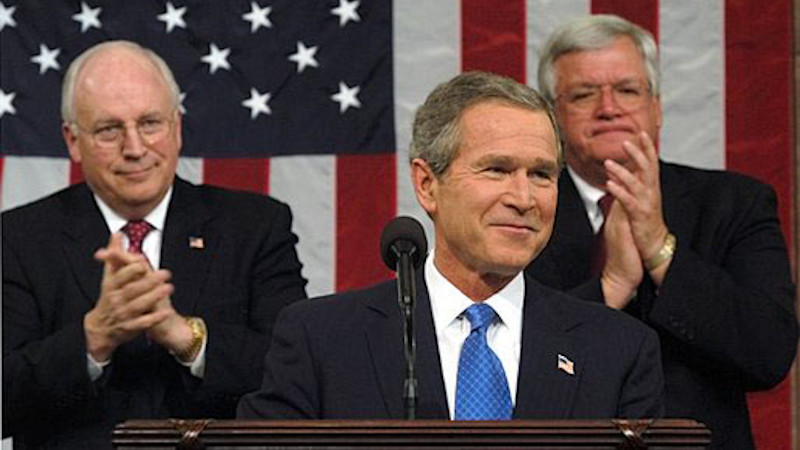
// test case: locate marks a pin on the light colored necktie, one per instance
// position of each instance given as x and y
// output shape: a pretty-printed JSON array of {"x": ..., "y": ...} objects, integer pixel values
[{"x": 482, "y": 388}]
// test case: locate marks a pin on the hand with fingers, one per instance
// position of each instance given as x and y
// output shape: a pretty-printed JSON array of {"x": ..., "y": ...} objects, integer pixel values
[
  {"x": 130, "y": 292},
  {"x": 636, "y": 186},
  {"x": 623, "y": 270}
]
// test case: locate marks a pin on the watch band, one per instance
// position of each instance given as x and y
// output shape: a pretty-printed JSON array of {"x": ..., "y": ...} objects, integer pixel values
[
  {"x": 665, "y": 253},
  {"x": 199, "y": 332}
]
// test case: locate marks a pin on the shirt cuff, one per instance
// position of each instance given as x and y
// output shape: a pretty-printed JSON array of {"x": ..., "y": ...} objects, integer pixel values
[
  {"x": 95, "y": 368},
  {"x": 198, "y": 366}
]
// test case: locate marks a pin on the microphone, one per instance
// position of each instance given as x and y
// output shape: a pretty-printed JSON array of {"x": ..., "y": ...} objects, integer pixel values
[
  {"x": 403, "y": 248},
  {"x": 403, "y": 235}
]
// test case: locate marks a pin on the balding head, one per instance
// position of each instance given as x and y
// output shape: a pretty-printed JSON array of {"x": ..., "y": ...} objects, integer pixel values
[{"x": 112, "y": 51}]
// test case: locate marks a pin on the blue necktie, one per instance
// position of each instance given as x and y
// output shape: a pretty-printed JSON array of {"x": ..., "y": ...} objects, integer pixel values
[{"x": 482, "y": 389}]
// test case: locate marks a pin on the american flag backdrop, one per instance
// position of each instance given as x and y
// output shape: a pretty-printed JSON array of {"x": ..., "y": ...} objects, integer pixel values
[{"x": 311, "y": 101}]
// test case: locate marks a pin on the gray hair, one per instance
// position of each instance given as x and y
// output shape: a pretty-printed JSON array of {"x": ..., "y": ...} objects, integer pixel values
[
  {"x": 594, "y": 33},
  {"x": 77, "y": 65},
  {"x": 436, "y": 134}
]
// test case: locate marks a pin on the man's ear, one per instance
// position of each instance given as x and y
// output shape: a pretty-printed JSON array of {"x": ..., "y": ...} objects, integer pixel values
[
  {"x": 71, "y": 139},
  {"x": 425, "y": 184}
]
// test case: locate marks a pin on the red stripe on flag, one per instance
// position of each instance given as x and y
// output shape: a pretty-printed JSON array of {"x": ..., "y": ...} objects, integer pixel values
[
  {"x": 758, "y": 94},
  {"x": 365, "y": 202},
  {"x": 641, "y": 12},
  {"x": 75, "y": 173},
  {"x": 493, "y": 37},
  {"x": 241, "y": 174}
]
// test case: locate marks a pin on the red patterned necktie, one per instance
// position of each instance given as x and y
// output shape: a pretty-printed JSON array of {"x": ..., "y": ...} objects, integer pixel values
[
  {"x": 598, "y": 257},
  {"x": 136, "y": 230}
]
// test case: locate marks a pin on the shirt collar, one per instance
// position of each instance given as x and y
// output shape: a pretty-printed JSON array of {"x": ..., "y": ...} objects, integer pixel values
[
  {"x": 590, "y": 195},
  {"x": 448, "y": 302},
  {"x": 156, "y": 217}
]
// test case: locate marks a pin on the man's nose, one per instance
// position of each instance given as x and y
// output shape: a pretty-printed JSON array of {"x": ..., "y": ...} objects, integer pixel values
[
  {"x": 607, "y": 104},
  {"x": 133, "y": 145},
  {"x": 520, "y": 192}
]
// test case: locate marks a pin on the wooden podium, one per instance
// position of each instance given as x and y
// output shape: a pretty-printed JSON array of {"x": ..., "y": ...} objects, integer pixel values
[{"x": 418, "y": 434}]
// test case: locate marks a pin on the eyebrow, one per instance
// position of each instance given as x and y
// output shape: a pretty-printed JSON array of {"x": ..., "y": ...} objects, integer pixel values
[
  {"x": 622, "y": 81},
  {"x": 539, "y": 163}
]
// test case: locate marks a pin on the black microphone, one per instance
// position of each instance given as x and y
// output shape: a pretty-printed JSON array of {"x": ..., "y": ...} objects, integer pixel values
[
  {"x": 403, "y": 235},
  {"x": 403, "y": 248}
]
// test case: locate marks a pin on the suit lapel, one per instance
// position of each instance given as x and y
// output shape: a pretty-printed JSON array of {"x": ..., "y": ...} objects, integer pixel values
[
  {"x": 544, "y": 389},
  {"x": 85, "y": 231},
  {"x": 189, "y": 242},
  {"x": 433, "y": 400},
  {"x": 384, "y": 336}
]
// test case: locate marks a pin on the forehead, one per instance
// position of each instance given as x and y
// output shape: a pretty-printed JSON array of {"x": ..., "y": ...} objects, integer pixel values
[
  {"x": 499, "y": 127},
  {"x": 117, "y": 80},
  {"x": 619, "y": 61}
]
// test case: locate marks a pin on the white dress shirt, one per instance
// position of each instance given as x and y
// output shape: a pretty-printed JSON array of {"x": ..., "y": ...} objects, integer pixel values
[
  {"x": 590, "y": 196},
  {"x": 504, "y": 336},
  {"x": 151, "y": 247}
]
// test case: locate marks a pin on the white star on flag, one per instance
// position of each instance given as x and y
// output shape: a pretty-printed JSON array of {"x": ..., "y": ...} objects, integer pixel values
[
  {"x": 7, "y": 16},
  {"x": 304, "y": 57},
  {"x": 181, "y": 98},
  {"x": 88, "y": 17},
  {"x": 258, "y": 17},
  {"x": 47, "y": 59},
  {"x": 347, "y": 12},
  {"x": 216, "y": 58},
  {"x": 257, "y": 103},
  {"x": 346, "y": 97},
  {"x": 6, "y": 105},
  {"x": 173, "y": 17}
]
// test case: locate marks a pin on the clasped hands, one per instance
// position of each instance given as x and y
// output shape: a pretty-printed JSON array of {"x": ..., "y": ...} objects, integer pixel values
[
  {"x": 634, "y": 229},
  {"x": 134, "y": 299}
]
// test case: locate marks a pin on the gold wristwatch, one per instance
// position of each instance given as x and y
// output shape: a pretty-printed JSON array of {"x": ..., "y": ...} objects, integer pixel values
[
  {"x": 665, "y": 253},
  {"x": 199, "y": 332}
]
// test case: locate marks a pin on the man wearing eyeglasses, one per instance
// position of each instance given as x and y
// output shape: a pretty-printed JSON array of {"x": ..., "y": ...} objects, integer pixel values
[
  {"x": 135, "y": 294},
  {"x": 696, "y": 254}
]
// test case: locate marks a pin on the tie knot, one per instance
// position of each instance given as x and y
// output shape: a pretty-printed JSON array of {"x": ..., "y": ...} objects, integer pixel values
[
  {"x": 136, "y": 230},
  {"x": 605, "y": 204},
  {"x": 480, "y": 316}
]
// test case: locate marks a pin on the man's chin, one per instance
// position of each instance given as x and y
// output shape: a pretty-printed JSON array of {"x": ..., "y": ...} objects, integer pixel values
[{"x": 511, "y": 265}]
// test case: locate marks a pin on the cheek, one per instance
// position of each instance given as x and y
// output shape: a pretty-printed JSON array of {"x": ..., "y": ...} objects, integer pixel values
[{"x": 547, "y": 200}]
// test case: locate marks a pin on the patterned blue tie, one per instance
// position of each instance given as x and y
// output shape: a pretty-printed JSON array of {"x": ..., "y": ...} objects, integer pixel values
[{"x": 482, "y": 389}]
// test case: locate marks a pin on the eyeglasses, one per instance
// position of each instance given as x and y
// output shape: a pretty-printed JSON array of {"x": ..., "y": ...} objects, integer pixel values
[
  {"x": 628, "y": 95},
  {"x": 110, "y": 135}
]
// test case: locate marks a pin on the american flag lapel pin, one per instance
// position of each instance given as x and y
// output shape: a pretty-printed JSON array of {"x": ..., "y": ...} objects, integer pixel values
[
  {"x": 196, "y": 242},
  {"x": 565, "y": 364}
]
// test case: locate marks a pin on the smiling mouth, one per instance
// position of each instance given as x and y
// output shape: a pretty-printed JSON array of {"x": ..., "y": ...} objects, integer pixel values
[
  {"x": 137, "y": 173},
  {"x": 516, "y": 228}
]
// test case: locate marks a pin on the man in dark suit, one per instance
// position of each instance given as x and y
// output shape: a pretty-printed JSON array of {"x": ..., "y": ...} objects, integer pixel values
[
  {"x": 485, "y": 159},
  {"x": 696, "y": 254},
  {"x": 172, "y": 316}
]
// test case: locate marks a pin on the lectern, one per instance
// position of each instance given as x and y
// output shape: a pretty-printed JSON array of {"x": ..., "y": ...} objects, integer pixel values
[{"x": 417, "y": 434}]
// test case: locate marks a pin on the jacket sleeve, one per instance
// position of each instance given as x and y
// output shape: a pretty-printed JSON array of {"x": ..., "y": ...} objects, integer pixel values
[
  {"x": 44, "y": 375},
  {"x": 734, "y": 303}
]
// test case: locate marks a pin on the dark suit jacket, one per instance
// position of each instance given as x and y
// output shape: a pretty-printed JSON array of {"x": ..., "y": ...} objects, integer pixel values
[
  {"x": 341, "y": 357},
  {"x": 246, "y": 272},
  {"x": 725, "y": 312}
]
